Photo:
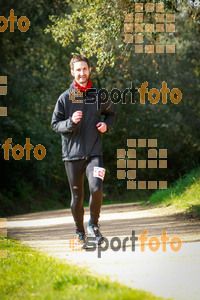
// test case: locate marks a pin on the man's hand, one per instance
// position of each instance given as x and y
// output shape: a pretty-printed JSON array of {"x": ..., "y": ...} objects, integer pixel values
[
  {"x": 77, "y": 115},
  {"x": 102, "y": 127}
]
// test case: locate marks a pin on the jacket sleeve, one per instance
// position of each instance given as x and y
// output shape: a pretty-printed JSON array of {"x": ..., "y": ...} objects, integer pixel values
[
  {"x": 109, "y": 110},
  {"x": 58, "y": 122}
]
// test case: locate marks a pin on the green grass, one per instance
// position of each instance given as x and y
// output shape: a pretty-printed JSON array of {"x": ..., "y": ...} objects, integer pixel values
[
  {"x": 28, "y": 274},
  {"x": 183, "y": 195}
]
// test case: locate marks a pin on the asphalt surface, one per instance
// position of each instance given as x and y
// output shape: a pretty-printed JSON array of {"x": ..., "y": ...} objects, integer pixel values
[{"x": 174, "y": 273}]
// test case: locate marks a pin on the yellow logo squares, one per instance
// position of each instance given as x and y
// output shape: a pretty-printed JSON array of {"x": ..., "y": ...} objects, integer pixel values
[
  {"x": 75, "y": 244},
  {"x": 3, "y": 92},
  {"x": 127, "y": 162},
  {"x": 136, "y": 24},
  {"x": 75, "y": 94},
  {"x": 149, "y": 7}
]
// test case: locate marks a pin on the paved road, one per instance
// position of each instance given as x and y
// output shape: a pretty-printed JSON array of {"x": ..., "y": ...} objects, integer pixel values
[{"x": 174, "y": 274}]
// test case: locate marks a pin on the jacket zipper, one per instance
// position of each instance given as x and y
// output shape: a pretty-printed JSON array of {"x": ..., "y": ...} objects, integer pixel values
[{"x": 84, "y": 146}]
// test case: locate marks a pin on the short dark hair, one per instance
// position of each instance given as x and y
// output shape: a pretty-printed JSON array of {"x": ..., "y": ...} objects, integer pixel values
[{"x": 79, "y": 58}]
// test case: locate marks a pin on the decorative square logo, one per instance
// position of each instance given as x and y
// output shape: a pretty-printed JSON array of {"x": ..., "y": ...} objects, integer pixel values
[
  {"x": 127, "y": 163},
  {"x": 74, "y": 94},
  {"x": 135, "y": 26},
  {"x": 3, "y": 92}
]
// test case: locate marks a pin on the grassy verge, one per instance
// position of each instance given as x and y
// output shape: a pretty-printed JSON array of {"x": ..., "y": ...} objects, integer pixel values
[
  {"x": 28, "y": 274},
  {"x": 183, "y": 195}
]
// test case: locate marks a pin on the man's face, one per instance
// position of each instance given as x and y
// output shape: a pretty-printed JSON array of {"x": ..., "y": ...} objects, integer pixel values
[{"x": 81, "y": 72}]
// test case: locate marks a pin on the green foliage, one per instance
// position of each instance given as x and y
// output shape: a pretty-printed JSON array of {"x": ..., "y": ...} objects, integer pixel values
[
  {"x": 96, "y": 28},
  {"x": 36, "y": 68},
  {"x": 183, "y": 195},
  {"x": 168, "y": 123},
  {"x": 94, "y": 25}
]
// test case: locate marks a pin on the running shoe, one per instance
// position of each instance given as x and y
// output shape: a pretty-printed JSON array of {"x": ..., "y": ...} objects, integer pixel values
[
  {"x": 95, "y": 233},
  {"x": 81, "y": 237}
]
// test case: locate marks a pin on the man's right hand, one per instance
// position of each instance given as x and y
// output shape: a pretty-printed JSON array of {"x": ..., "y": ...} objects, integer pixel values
[{"x": 77, "y": 115}]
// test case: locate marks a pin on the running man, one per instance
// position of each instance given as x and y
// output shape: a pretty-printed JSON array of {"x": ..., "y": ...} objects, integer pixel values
[{"x": 78, "y": 119}]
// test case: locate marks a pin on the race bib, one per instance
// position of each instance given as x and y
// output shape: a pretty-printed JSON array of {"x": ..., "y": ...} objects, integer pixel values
[{"x": 99, "y": 172}]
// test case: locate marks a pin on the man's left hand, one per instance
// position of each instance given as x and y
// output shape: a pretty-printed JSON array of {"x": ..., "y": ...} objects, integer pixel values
[{"x": 102, "y": 127}]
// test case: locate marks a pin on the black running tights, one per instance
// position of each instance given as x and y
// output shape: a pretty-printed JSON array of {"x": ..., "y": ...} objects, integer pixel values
[{"x": 75, "y": 171}]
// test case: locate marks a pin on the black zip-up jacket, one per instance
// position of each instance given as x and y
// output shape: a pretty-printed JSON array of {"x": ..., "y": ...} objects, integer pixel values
[{"x": 83, "y": 139}]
